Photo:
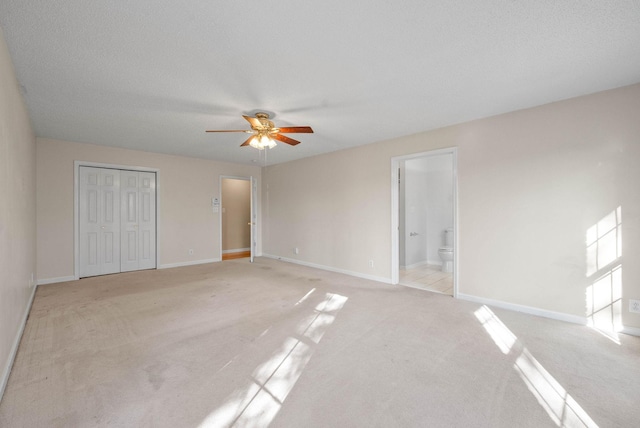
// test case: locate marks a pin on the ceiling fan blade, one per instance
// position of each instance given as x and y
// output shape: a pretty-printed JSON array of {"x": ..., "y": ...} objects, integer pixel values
[
  {"x": 229, "y": 130},
  {"x": 296, "y": 129},
  {"x": 255, "y": 123},
  {"x": 246, "y": 143},
  {"x": 285, "y": 139}
]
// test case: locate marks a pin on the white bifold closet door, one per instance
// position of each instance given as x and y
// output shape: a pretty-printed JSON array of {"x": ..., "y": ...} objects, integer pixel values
[
  {"x": 99, "y": 204},
  {"x": 138, "y": 220},
  {"x": 117, "y": 221}
]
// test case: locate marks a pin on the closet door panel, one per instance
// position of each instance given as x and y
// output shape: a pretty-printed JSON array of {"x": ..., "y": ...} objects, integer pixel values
[
  {"x": 147, "y": 220},
  {"x": 99, "y": 225},
  {"x": 110, "y": 215},
  {"x": 129, "y": 221}
]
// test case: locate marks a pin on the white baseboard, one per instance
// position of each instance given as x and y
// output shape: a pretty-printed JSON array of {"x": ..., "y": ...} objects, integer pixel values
[
  {"x": 16, "y": 342},
  {"x": 236, "y": 250},
  {"x": 331, "y": 269},
  {"x": 415, "y": 265},
  {"x": 162, "y": 266},
  {"x": 189, "y": 263},
  {"x": 524, "y": 309},
  {"x": 633, "y": 331},
  {"x": 423, "y": 263},
  {"x": 540, "y": 312},
  {"x": 55, "y": 280}
]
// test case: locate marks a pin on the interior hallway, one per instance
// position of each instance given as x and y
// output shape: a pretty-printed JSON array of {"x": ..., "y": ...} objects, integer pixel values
[
  {"x": 238, "y": 255},
  {"x": 273, "y": 343}
]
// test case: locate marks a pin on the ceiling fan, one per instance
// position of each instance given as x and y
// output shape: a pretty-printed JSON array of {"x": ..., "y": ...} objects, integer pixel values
[{"x": 264, "y": 132}]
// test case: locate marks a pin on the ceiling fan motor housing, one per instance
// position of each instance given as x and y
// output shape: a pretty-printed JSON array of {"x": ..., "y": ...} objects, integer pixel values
[{"x": 264, "y": 120}]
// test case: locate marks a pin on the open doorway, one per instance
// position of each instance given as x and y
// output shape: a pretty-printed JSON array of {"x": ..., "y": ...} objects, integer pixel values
[
  {"x": 235, "y": 198},
  {"x": 424, "y": 221}
]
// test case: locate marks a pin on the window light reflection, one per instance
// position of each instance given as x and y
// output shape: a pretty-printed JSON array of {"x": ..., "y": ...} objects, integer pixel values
[
  {"x": 563, "y": 410},
  {"x": 604, "y": 271},
  {"x": 272, "y": 381}
]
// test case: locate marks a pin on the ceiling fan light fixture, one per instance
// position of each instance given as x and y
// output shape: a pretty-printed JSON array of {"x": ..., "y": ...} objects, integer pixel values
[
  {"x": 262, "y": 141},
  {"x": 264, "y": 132}
]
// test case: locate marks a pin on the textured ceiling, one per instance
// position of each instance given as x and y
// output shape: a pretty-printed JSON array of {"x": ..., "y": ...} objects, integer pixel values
[{"x": 153, "y": 75}]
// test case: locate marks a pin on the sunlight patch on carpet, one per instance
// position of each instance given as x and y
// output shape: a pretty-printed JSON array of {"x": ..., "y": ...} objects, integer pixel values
[
  {"x": 563, "y": 410},
  {"x": 305, "y": 297},
  {"x": 272, "y": 381}
]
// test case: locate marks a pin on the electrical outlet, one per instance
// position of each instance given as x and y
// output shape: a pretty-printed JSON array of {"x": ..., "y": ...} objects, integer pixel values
[
  {"x": 371, "y": 263},
  {"x": 191, "y": 251},
  {"x": 296, "y": 250},
  {"x": 634, "y": 306}
]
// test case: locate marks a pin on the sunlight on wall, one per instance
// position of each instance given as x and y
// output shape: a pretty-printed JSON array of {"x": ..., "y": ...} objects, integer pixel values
[
  {"x": 604, "y": 271},
  {"x": 272, "y": 381},
  {"x": 552, "y": 397}
]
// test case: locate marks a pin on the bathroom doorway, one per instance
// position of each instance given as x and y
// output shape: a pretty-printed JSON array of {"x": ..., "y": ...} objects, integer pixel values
[{"x": 424, "y": 238}]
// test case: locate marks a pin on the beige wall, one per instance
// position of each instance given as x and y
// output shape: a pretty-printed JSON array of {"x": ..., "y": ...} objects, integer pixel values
[
  {"x": 530, "y": 185},
  {"x": 236, "y": 214},
  {"x": 17, "y": 211},
  {"x": 186, "y": 187}
]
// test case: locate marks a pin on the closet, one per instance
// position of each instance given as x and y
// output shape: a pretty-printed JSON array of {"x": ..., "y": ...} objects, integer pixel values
[{"x": 117, "y": 220}]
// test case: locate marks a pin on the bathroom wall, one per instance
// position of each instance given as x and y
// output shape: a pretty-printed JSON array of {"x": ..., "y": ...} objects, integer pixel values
[
  {"x": 439, "y": 198},
  {"x": 415, "y": 212},
  {"x": 426, "y": 208}
]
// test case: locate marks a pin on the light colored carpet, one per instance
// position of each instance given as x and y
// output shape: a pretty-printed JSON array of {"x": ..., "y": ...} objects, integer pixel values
[{"x": 281, "y": 345}]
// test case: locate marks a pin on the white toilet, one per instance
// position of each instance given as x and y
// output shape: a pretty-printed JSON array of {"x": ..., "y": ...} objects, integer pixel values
[{"x": 446, "y": 252}]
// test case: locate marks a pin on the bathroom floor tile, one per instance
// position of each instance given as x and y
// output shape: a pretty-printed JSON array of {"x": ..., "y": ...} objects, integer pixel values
[{"x": 428, "y": 277}]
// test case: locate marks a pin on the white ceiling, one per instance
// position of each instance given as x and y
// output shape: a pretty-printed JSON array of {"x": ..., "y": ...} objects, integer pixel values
[{"x": 153, "y": 75}]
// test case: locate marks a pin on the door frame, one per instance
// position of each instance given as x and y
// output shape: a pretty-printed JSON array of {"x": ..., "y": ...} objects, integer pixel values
[
  {"x": 253, "y": 215},
  {"x": 76, "y": 206},
  {"x": 395, "y": 212}
]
